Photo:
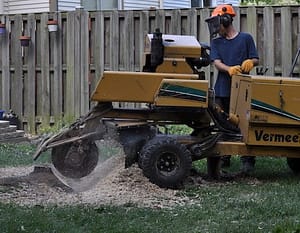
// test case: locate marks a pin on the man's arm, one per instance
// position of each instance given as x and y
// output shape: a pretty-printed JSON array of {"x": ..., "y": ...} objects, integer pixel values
[
  {"x": 231, "y": 70},
  {"x": 221, "y": 66},
  {"x": 224, "y": 68}
]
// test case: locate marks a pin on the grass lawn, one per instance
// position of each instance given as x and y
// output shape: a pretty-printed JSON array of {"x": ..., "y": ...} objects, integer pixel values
[{"x": 267, "y": 202}]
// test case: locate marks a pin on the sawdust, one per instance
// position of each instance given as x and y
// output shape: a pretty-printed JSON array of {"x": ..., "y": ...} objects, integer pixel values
[
  {"x": 38, "y": 186},
  {"x": 114, "y": 185}
]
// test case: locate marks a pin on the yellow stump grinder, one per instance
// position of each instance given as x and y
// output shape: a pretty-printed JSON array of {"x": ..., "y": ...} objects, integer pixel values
[{"x": 264, "y": 118}]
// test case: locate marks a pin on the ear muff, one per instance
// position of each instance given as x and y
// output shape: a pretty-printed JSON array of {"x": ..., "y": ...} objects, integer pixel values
[{"x": 225, "y": 20}]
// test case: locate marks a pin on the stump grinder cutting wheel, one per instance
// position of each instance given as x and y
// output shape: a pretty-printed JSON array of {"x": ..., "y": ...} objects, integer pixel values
[
  {"x": 81, "y": 168},
  {"x": 80, "y": 154}
]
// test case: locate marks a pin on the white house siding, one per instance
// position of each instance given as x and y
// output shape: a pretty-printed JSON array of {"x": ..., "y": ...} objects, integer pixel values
[
  {"x": 26, "y": 6},
  {"x": 135, "y": 4},
  {"x": 68, "y": 5},
  {"x": 171, "y": 4},
  {"x": 232, "y": 2}
]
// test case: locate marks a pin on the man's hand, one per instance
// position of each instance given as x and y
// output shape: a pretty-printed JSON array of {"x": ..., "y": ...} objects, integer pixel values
[
  {"x": 247, "y": 66},
  {"x": 234, "y": 70}
]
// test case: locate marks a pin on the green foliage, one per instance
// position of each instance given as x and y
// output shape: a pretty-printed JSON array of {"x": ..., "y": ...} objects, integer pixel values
[
  {"x": 55, "y": 128},
  {"x": 176, "y": 129}
]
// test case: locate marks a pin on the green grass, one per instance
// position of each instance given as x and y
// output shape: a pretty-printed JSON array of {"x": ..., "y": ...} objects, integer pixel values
[
  {"x": 229, "y": 208},
  {"x": 19, "y": 154},
  {"x": 268, "y": 201}
]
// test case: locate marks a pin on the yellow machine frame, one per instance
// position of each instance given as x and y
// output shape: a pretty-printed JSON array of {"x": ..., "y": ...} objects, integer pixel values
[{"x": 269, "y": 116}]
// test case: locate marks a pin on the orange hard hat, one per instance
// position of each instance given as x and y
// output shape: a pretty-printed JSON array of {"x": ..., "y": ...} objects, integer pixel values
[{"x": 223, "y": 9}]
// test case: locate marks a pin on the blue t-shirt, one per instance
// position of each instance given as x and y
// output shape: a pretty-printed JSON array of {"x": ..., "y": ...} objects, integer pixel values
[{"x": 231, "y": 52}]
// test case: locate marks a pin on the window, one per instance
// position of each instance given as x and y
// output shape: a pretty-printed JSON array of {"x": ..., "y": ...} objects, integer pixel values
[
  {"x": 100, "y": 4},
  {"x": 197, "y": 3}
]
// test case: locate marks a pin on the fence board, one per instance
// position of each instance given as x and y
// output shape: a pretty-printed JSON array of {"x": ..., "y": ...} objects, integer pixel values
[
  {"x": 84, "y": 63},
  {"x": 159, "y": 21},
  {"x": 137, "y": 37},
  {"x": 16, "y": 78},
  {"x": 30, "y": 76},
  {"x": 43, "y": 80},
  {"x": 54, "y": 77},
  {"x": 144, "y": 25},
  {"x": 286, "y": 41},
  {"x": 70, "y": 76},
  {"x": 107, "y": 39},
  {"x": 98, "y": 51},
  {"x": 251, "y": 22},
  {"x": 236, "y": 20},
  {"x": 193, "y": 22},
  {"x": 56, "y": 80},
  {"x": 115, "y": 41},
  {"x": 175, "y": 22},
  {"x": 204, "y": 37},
  {"x": 128, "y": 41},
  {"x": 268, "y": 39},
  {"x": 5, "y": 69},
  {"x": 77, "y": 62}
]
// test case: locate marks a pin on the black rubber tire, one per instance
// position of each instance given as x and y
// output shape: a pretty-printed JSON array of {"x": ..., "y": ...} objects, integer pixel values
[
  {"x": 165, "y": 162},
  {"x": 294, "y": 164},
  {"x": 62, "y": 159}
]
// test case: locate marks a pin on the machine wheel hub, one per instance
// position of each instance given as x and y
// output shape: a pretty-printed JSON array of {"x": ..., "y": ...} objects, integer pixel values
[
  {"x": 167, "y": 162},
  {"x": 75, "y": 157}
]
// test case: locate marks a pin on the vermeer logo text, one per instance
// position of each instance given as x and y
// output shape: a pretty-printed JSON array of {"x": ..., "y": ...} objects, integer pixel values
[{"x": 260, "y": 135}]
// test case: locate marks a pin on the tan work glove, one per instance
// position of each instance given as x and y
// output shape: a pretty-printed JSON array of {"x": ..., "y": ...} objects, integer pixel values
[
  {"x": 247, "y": 66},
  {"x": 234, "y": 70}
]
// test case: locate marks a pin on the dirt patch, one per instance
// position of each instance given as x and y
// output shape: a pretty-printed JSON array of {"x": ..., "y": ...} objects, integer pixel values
[
  {"x": 114, "y": 185},
  {"x": 38, "y": 186}
]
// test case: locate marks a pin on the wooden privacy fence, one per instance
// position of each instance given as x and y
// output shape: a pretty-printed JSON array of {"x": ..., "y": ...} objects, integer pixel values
[{"x": 54, "y": 76}]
